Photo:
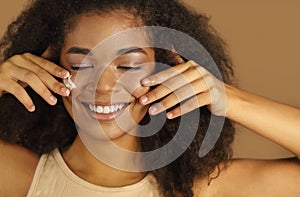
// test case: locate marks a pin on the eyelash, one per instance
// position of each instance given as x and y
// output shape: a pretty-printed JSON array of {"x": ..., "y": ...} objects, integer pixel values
[
  {"x": 129, "y": 67},
  {"x": 79, "y": 67}
]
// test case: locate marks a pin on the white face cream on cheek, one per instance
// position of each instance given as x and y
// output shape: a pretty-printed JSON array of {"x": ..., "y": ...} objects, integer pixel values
[{"x": 69, "y": 83}]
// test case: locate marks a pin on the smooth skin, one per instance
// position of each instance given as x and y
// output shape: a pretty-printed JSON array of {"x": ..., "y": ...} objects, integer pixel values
[{"x": 280, "y": 123}]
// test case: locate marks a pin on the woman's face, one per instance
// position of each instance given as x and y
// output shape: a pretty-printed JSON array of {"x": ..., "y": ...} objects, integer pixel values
[{"x": 107, "y": 68}]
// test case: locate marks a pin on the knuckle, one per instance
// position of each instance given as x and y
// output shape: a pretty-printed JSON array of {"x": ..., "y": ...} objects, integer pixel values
[
  {"x": 58, "y": 69},
  {"x": 192, "y": 63},
  {"x": 163, "y": 104},
  {"x": 15, "y": 58},
  {"x": 27, "y": 54},
  {"x": 17, "y": 91},
  {"x": 153, "y": 94},
  {"x": 210, "y": 81},
  {"x": 29, "y": 76},
  {"x": 57, "y": 86},
  {"x": 41, "y": 72},
  {"x": 45, "y": 91},
  {"x": 5, "y": 65},
  {"x": 180, "y": 93},
  {"x": 44, "y": 62},
  {"x": 191, "y": 104}
]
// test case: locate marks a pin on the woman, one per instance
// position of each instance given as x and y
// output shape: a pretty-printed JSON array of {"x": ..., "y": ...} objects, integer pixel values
[{"x": 66, "y": 32}]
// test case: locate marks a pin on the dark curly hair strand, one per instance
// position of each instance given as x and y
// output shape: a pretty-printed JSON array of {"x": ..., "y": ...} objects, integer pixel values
[{"x": 46, "y": 22}]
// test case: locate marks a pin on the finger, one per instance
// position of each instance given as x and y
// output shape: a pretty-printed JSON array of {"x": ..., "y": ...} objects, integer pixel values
[
  {"x": 18, "y": 91},
  {"x": 177, "y": 57},
  {"x": 35, "y": 83},
  {"x": 140, "y": 91},
  {"x": 160, "y": 77},
  {"x": 46, "y": 77},
  {"x": 171, "y": 85},
  {"x": 47, "y": 65},
  {"x": 183, "y": 93},
  {"x": 48, "y": 53},
  {"x": 191, "y": 104}
]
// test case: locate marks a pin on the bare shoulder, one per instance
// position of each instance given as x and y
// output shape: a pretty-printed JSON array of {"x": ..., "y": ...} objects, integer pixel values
[
  {"x": 244, "y": 177},
  {"x": 17, "y": 168}
]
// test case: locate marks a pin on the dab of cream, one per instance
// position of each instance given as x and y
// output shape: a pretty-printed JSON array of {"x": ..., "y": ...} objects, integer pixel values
[{"x": 69, "y": 83}]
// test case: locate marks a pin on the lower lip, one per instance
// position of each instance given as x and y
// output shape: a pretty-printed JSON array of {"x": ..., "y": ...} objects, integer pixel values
[{"x": 105, "y": 117}]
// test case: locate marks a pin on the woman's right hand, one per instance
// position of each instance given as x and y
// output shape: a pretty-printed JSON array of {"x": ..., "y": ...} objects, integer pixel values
[{"x": 39, "y": 73}]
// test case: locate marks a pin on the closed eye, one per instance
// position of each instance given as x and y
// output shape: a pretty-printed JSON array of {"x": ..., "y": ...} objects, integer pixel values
[
  {"x": 133, "y": 68},
  {"x": 80, "y": 67}
]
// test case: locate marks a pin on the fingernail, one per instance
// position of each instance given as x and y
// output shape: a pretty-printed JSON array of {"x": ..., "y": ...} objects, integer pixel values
[
  {"x": 146, "y": 81},
  {"x": 152, "y": 110},
  {"x": 68, "y": 92},
  {"x": 32, "y": 108},
  {"x": 144, "y": 99},
  {"x": 169, "y": 115},
  {"x": 65, "y": 74},
  {"x": 65, "y": 91},
  {"x": 53, "y": 99}
]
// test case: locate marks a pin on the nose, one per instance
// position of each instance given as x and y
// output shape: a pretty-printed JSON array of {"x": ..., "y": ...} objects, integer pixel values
[{"x": 107, "y": 81}]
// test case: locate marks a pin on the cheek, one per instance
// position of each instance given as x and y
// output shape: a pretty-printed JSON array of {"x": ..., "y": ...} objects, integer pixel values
[{"x": 131, "y": 81}]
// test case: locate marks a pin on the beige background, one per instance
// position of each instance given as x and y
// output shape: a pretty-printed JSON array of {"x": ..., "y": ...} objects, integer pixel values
[{"x": 264, "y": 41}]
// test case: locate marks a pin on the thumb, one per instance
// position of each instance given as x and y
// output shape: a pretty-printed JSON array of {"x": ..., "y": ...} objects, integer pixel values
[
  {"x": 48, "y": 53},
  {"x": 176, "y": 56}
]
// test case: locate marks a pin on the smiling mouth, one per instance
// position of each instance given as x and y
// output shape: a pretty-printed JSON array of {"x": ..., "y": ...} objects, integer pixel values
[
  {"x": 105, "y": 112},
  {"x": 100, "y": 109}
]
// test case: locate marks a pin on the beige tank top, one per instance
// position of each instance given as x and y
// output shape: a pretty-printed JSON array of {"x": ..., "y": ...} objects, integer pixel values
[{"x": 53, "y": 178}]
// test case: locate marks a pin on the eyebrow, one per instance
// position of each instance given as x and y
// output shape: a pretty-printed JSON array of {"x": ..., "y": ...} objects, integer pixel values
[
  {"x": 85, "y": 51},
  {"x": 131, "y": 50},
  {"x": 79, "y": 50}
]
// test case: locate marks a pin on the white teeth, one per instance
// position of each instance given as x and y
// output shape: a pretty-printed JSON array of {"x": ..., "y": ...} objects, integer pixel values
[
  {"x": 106, "y": 109},
  {"x": 99, "y": 109},
  {"x": 112, "y": 108}
]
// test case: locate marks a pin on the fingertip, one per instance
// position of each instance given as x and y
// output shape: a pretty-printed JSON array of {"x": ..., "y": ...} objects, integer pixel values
[
  {"x": 64, "y": 91},
  {"x": 53, "y": 100},
  {"x": 64, "y": 73},
  {"x": 67, "y": 74},
  {"x": 147, "y": 82},
  {"x": 31, "y": 108},
  {"x": 143, "y": 100},
  {"x": 170, "y": 115},
  {"x": 153, "y": 110}
]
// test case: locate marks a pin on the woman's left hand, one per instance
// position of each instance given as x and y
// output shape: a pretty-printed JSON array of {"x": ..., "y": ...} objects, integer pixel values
[{"x": 189, "y": 83}]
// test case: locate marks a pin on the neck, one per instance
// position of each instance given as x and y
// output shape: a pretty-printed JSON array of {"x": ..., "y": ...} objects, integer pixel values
[{"x": 91, "y": 169}]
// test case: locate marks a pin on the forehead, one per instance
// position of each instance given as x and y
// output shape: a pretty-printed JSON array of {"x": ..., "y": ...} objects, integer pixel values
[
  {"x": 105, "y": 34},
  {"x": 91, "y": 29}
]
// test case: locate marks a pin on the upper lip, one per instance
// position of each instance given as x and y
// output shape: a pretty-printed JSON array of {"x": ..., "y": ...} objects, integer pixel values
[{"x": 106, "y": 103}]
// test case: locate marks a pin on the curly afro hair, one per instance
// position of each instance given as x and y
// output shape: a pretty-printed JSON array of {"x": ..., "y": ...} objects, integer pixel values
[{"x": 46, "y": 22}]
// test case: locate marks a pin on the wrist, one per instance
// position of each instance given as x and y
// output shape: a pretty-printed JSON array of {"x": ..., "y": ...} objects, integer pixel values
[{"x": 235, "y": 100}]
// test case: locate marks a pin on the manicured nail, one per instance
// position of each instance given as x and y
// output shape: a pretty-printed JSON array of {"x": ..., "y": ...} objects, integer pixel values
[
  {"x": 32, "y": 108},
  {"x": 65, "y": 91},
  {"x": 144, "y": 99},
  {"x": 53, "y": 99},
  {"x": 64, "y": 74},
  {"x": 169, "y": 115},
  {"x": 152, "y": 110},
  {"x": 68, "y": 92},
  {"x": 146, "y": 81}
]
